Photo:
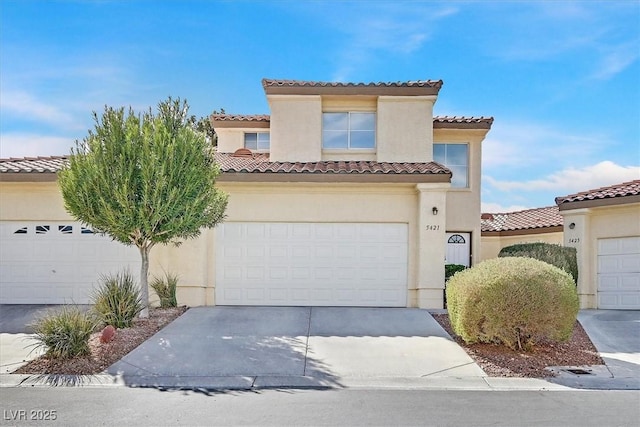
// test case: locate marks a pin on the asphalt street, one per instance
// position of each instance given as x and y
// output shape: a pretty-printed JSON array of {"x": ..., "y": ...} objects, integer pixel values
[{"x": 354, "y": 407}]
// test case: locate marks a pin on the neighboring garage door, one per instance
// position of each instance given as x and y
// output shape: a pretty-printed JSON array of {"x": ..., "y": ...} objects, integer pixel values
[
  {"x": 324, "y": 264},
  {"x": 619, "y": 273},
  {"x": 52, "y": 262}
]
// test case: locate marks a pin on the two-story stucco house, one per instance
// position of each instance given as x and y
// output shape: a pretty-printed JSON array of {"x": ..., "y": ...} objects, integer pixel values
[{"x": 345, "y": 195}]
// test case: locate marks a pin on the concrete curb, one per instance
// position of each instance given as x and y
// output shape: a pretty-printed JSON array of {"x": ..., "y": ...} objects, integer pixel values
[{"x": 302, "y": 382}]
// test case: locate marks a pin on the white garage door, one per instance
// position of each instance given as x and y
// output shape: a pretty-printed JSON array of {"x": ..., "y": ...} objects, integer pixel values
[
  {"x": 619, "y": 273},
  {"x": 328, "y": 264},
  {"x": 51, "y": 262}
]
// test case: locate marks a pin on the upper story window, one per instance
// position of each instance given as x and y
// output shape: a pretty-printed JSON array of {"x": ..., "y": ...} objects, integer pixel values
[
  {"x": 348, "y": 131},
  {"x": 456, "y": 158},
  {"x": 257, "y": 141}
]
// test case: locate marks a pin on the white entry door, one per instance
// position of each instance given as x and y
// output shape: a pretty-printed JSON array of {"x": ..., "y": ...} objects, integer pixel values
[
  {"x": 53, "y": 262},
  {"x": 619, "y": 273},
  {"x": 324, "y": 264},
  {"x": 458, "y": 249}
]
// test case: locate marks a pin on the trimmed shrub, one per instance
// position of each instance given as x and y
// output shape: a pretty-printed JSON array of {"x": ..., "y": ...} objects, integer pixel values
[
  {"x": 117, "y": 299},
  {"x": 563, "y": 257},
  {"x": 65, "y": 333},
  {"x": 512, "y": 301},
  {"x": 165, "y": 288}
]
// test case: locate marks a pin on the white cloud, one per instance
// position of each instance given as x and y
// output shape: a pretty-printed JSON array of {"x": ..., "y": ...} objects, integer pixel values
[
  {"x": 32, "y": 145},
  {"x": 388, "y": 27},
  {"x": 489, "y": 207},
  {"x": 572, "y": 180},
  {"x": 616, "y": 59},
  {"x": 29, "y": 107},
  {"x": 514, "y": 144}
]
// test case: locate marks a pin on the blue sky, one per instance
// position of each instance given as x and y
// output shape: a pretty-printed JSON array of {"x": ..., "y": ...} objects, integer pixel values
[{"x": 561, "y": 79}]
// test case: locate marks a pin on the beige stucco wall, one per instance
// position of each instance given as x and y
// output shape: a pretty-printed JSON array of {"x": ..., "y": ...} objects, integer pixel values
[
  {"x": 592, "y": 224},
  {"x": 490, "y": 246},
  {"x": 463, "y": 204},
  {"x": 230, "y": 139},
  {"x": 296, "y": 128},
  {"x": 194, "y": 260},
  {"x": 405, "y": 128},
  {"x": 31, "y": 201},
  {"x": 297, "y": 202}
]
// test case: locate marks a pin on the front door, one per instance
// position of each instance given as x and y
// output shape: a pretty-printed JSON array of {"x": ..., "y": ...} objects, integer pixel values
[{"x": 458, "y": 249}]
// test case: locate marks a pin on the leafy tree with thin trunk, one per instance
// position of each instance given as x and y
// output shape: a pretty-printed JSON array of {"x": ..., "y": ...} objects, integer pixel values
[{"x": 144, "y": 179}]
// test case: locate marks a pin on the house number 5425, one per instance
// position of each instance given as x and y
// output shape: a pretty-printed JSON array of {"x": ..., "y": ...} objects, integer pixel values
[{"x": 432, "y": 227}]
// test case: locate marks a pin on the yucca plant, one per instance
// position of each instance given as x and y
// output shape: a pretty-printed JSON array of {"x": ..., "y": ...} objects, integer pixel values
[
  {"x": 165, "y": 288},
  {"x": 65, "y": 333},
  {"x": 117, "y": 299}
]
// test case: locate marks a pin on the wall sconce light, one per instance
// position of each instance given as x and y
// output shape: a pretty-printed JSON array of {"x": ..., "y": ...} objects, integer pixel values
[
  {"x": 572, "y": 225},
  {"x": 434, "y": 210}
]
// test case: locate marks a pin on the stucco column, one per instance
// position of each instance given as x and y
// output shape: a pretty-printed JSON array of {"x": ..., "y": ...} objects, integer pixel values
[
  {"x": 431, "y": 243},
  {"x": 576, "y": 235}
]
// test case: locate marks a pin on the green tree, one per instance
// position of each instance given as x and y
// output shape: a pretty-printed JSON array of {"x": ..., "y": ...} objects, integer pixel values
[
  {"x": 203, "y": 124},
  {"x": 144, "y": 179}
]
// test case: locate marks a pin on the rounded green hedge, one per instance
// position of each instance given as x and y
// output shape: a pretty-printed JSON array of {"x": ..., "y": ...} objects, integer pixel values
[{"x": 513, "y": 301}]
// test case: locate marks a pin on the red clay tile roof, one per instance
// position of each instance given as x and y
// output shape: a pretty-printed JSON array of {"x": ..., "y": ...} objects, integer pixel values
[
  {"x": 301, "y": 87},
  {"x": 49, "y": 164},
  {"x": 302, "y": 83},
  {"x": 256, "y": 163},
  {"x": 522, "y": 220},
  {"x": 259, "y": 163},
  {"x": 631, "y": 188},
  {"x": 438, "y": 121},
  {"x": 241, "y": 117},
  {"x": 442, "y": 122}
]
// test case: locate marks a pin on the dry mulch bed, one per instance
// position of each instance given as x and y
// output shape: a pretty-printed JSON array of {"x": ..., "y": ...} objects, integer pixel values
[
  {"x": 501, "y": 361},
  {"x": 104, "y": 355}
]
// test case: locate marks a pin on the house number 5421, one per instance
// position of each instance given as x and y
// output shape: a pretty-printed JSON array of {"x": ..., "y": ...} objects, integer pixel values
[{"x": 432, "y": 227}]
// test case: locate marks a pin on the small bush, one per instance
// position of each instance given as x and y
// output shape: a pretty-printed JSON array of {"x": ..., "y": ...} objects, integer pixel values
[
  {"x": 514, "y": 301},
  {"x": 117, "y": 299},
  {"x": 65, "y": 333},
  {"x": 451, "y": 269},
  {"x": 565, "y": 258},
  {"x": 165, "y": 288}
]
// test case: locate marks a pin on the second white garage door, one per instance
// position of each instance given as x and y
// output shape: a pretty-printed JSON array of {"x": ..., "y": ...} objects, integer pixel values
[
  {"x": 323, "y": 264},
  {"x": 619, "y": 273}
]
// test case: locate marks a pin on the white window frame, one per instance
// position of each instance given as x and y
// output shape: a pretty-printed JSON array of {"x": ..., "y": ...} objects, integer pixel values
[
  {"x": 451, "y": 166},
  {"x": 258, "y": 140},
  {"x": 348, "y": 131}
]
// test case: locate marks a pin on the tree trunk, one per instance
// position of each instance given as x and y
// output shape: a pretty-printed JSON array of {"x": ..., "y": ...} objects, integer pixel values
[{"x": 144, "y": 280}]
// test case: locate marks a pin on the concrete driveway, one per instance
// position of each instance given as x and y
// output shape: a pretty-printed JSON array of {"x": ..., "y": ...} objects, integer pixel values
[
  {"x": 295, "y": 346},
  {"x": 16, "y": 338}
]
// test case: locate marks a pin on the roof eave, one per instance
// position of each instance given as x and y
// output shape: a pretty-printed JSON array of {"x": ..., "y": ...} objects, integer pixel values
[
  {"x": 594, "y": 203},
  {"x": 28, "y": 176},
  {"x": 334, "y": 177}
]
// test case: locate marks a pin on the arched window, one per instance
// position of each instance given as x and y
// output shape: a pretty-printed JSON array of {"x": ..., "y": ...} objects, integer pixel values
[{"x": 456, "y": 238}]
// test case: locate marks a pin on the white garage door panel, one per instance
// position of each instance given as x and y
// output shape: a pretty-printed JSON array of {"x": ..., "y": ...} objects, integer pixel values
[
  {"x": 619, "y": 273},
  {"x": 311, "y": 264},
  {"x": 51, "y": 262}
]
